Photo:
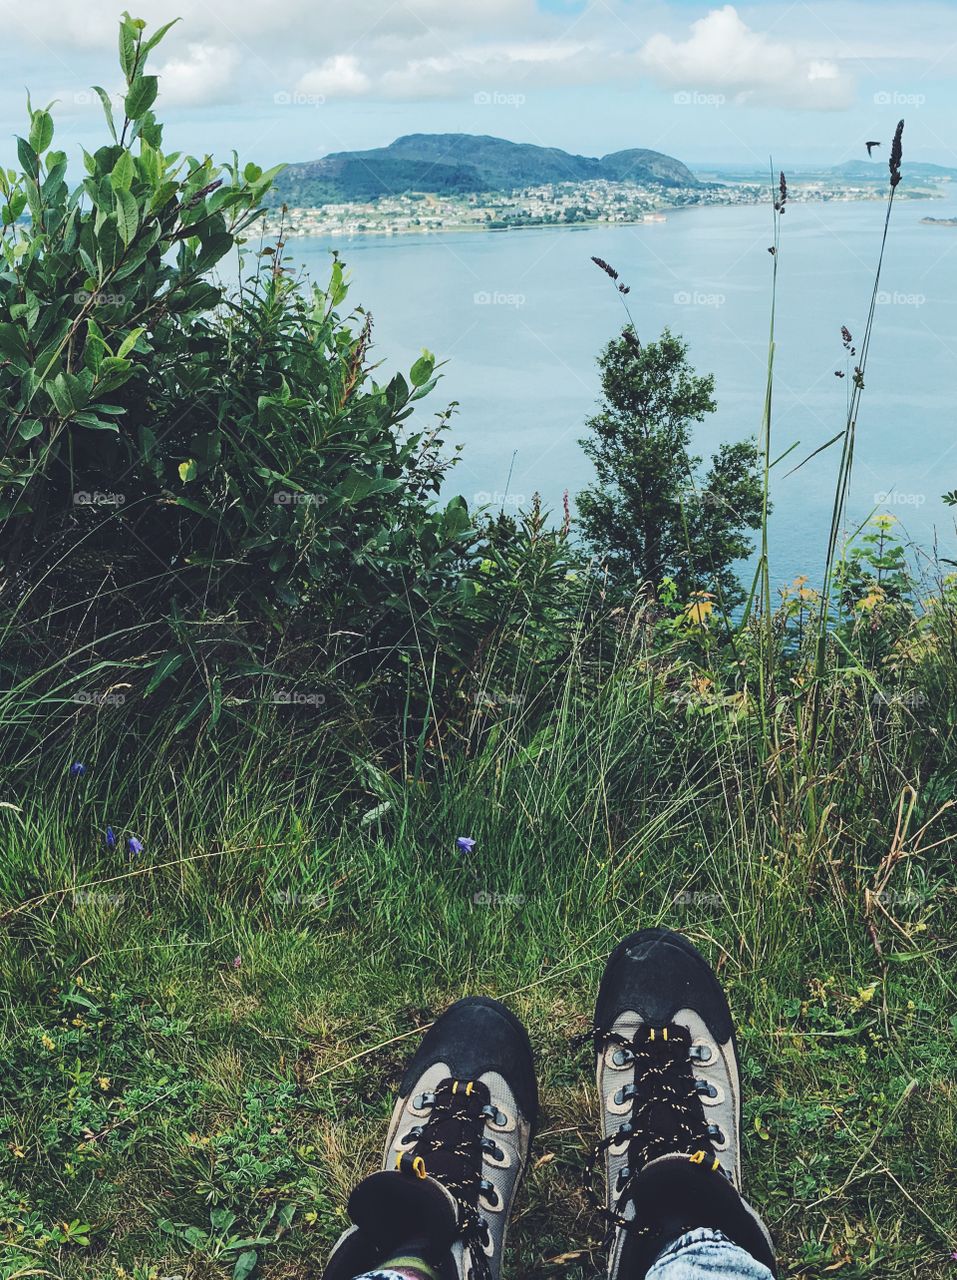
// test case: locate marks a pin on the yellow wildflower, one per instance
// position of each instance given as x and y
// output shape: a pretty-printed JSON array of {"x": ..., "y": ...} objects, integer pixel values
[
  {"x": 700, "y": 608},
  {"x": 873, "y": 598}
]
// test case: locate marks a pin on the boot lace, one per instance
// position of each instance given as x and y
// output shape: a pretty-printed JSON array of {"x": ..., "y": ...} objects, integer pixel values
[
  {"x": 449, "y": 1147},
  {"x": 666, "y": 1116}
]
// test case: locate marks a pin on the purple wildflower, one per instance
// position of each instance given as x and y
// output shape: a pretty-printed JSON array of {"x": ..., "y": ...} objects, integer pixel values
[
  {"x": 134, "y": 845},
  {"x": 464, "y": 844},
  {"x": 237, "y": 962},
  {"x": 110, "y": 838},
  {"x": 77, "y": 769}
]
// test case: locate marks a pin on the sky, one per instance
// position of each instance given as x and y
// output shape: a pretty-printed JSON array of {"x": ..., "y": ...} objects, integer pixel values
[{"x": 293, "y": 80}]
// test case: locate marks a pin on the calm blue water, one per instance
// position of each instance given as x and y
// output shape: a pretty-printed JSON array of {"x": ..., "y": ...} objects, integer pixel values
[{"x": 521, "y": 316}]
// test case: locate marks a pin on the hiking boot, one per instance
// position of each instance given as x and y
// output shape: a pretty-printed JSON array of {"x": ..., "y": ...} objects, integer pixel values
[
  {"x": 457, "y": 1147},
  {"x": 667, "y": 1071}
]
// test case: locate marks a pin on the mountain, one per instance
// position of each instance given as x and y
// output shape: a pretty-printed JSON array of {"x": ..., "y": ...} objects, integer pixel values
[
  {"x": 878, "y": 171},
  {"x": 460, "y": 163}
]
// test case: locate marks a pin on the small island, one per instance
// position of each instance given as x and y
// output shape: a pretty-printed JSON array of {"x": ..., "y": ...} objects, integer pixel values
[
  {"x": 423, "y": 183},
  {"x": 940, "y": 222}
]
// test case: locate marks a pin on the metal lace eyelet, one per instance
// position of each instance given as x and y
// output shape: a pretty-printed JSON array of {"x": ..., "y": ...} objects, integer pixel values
[
  {"x": 701, "y": 1052},
  {"x": 621, "y": 1137},
  {"x": 495, "y": 1117},
  {"x": 423, "y": 1102},
  {"x": 412, "y": 1136},
  {"x": 623, "y": 1176},
  {"x": 490, "y": 1195},
  {"x": 624, "y": 1093},
  {"x": 488, "y": 1248},
  {"x": 622, "y": 1057},
  {"x": 715, "y": 1132},
  {"x": 705, "y": 1087},
  {"x": 491, "y": 1148}
]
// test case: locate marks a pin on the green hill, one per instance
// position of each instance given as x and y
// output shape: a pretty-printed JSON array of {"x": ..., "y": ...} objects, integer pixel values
[{"x": 459, "y": 163}]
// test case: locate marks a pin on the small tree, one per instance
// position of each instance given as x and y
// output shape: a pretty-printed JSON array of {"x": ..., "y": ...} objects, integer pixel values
[{"x": 652, "y": 513}]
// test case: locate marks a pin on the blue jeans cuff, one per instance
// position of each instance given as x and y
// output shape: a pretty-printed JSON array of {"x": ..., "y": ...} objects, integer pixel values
[
  {"x": 706, "y": 1254},
  {"x": 699, "y": 1235}
]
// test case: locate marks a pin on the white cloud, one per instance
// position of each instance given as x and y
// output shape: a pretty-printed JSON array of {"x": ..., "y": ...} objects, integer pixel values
[
  {"x": 486, "y": 66},
  {"x": 777, "y": 54},
  {"x": 723, "y": 53},
  {"x": 205, "y": 74},
  {"x": 338, "y": 77}
]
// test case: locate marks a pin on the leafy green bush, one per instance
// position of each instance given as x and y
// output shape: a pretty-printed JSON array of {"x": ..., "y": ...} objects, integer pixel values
[{"x": 196, "y": 487}]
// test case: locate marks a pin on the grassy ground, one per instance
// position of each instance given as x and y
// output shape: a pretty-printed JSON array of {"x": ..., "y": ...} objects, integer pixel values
[
  {"x": 202, "y": 1021},
  {"x": 200, "y": 1042}
]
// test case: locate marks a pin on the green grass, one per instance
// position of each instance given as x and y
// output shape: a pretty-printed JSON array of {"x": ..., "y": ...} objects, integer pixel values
[
  {"x": 199, "y": 1041},
  {"x": 147, "y": 1082}
]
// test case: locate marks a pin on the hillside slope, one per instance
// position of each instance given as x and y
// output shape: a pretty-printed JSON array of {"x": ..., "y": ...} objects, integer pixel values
[{"x": 459, "y": 163}]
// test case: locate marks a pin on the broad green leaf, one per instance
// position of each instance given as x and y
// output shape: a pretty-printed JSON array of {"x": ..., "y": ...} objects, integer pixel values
[
  {"x": 109, "y": 244},
  {"x": 187, "y": 470},
  {"x": 422, "y": 370},
  {"x": 28, "y": 311},
  {"x": 30, "y": 428},
  {"x": 75, "y": 387},
  {"x": 244, "y": 1264},
  {"x": 148, "y": 129},
  {"x": 127, "y": 215},
  {"x": 141, "y": 96},
  {"x": 28, "y": 158},
  {"x": 163, "y": 195},
  {"x": 338, "y": 288},
  {"x": 113, "y": 373},
  {"x": 128, "y": 47},
  {"x": 129, "y": 342},
  {"x": 94, "y": 423},
  {"x": 16, "y": 206},
  {"x": 59, "y": 393},
  {"x": 150, "y": 163},
  {"x": 13, "y": 340},
  {"x": 123, "y": 172},
  {"x": 213, "y": 250},
  {"x": 107, "y": 109},
  {"x": 455, "y": 518},
  {"x": 41, "y": 131},
  {"x": 156, "y": 37}
]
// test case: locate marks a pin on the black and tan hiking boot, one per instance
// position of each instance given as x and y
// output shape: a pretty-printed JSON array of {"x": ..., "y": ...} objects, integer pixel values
[
  {"x": 457, "y": 1147},
  {"x": 667, "y": 1072}
]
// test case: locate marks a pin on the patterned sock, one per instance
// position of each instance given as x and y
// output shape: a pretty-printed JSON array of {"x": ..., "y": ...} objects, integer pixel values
[
  {"x": 404, "y": 1268},
  {"x": 406, "y": 1264}
]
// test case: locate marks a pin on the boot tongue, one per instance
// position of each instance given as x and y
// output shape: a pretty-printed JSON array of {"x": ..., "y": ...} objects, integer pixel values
[
  {"x": 391, "y": 1207},
  {"x": 674, "y": 1194}
]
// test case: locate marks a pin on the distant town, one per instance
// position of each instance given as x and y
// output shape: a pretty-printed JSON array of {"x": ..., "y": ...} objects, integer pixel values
[{"x": 553, "y": 204}]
